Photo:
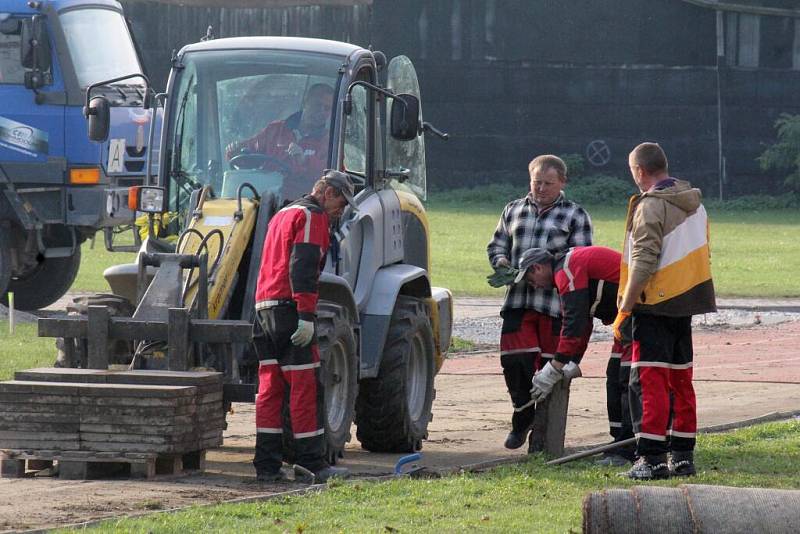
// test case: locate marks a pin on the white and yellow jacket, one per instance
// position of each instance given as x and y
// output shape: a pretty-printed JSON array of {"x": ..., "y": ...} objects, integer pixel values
[{"x": 666, "y": 245}]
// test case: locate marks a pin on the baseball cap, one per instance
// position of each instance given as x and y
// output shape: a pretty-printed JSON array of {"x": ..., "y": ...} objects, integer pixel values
[
  {"x": 532, "y": 256},
  {"x": 342, "y": 182}
]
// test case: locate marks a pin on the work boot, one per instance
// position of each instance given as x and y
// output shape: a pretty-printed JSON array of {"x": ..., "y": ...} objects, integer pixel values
[
  {"x": 649, "y": 468},
  {"x": 325, "y": 473},
  {"x": 515, "y": 440},
  {"x": 681, "y": 464},
  {"x": 269, "y": 476}
]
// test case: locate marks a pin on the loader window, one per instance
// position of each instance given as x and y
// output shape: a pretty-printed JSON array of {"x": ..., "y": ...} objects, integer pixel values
[
  {"x": 355, "y": 136},
  {"x": 257, "y": 116},
  {"x": 11, "y": 70}
]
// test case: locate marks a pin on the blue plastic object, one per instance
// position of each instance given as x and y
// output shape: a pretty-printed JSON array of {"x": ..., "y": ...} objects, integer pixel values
[{"x": 398, "y": 467}]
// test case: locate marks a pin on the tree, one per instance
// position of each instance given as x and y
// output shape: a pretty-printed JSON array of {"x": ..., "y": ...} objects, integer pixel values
[{"x": 785, "y": 154}]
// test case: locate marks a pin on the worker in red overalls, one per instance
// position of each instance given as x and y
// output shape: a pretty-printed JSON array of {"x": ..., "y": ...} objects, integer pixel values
[
  {"x": 298, "y": 144},
  {"x": 586, "y": 279},
  {"x": 286, "y": 300}
]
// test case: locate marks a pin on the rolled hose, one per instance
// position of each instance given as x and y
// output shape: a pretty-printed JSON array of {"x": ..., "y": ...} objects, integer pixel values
[{"x": 697, "y": 509}]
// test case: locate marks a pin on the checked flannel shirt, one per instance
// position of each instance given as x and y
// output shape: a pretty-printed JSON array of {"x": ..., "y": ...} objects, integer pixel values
[{"x": 522, "y": 226}]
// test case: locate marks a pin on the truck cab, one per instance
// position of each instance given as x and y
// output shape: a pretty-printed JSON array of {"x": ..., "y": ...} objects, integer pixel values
[{"x": 56, "y": 186}]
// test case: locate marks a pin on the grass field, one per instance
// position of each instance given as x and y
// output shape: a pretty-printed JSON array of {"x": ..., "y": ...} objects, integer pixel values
[
  {"x": 751, "y": 251},
  {"x": 531, "y": 497}
]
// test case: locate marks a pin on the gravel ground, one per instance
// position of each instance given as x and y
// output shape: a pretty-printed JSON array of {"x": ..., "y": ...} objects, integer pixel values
[{"x": 484, "y": 332}]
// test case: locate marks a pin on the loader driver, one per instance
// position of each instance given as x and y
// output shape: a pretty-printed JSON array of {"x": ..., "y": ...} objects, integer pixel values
[
  {"x": 286, "y": 299},
  {"x": 587, "y": 279},
  {"x": 298, "y": 144}
]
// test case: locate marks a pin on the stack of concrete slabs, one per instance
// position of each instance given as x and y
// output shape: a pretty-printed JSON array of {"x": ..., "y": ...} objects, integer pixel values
[{"x": 163, "y": 412}]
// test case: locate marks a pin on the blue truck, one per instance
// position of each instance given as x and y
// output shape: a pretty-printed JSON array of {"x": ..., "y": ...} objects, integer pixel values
[{"x": 58, "y": 188}]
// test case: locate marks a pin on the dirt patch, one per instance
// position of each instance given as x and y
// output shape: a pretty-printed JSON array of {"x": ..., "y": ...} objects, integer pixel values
[{"x": 745, "y": 373}]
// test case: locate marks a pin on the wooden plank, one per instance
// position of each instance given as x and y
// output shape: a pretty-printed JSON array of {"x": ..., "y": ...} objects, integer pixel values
[
  {"x": 139, "y": 402},
  {"x": 12, "y": 468},
  {"x": 35, "y": 436},
  {"x": 550, "y": 422},
  {"x": 178, "y": 332},
  {"x": 97, "y": 330},
  {"x": 32, "y": 444}
]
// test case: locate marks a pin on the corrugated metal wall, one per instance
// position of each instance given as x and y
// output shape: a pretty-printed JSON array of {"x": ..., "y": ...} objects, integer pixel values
[{"x": 510, "y": 79}]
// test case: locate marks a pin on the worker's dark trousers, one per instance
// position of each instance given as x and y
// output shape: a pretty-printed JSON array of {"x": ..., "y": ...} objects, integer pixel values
[
  {"x": 661, "y": 370},
  {"x": 287, "y": 372},
  {"x": 619, "y": 414},
  {"x": 527, "y": 343}
]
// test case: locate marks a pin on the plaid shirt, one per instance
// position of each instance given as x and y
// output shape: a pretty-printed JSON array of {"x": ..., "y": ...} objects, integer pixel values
[{"x": 522, "y": 226}]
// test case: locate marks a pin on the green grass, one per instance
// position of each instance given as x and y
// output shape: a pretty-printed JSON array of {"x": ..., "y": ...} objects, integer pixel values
[
  {"x": 94, "y": 261},
  {"x": 751, "y": 251},
  {"x": 23, "y": 349},
  {"x": 530, "y": 497}
]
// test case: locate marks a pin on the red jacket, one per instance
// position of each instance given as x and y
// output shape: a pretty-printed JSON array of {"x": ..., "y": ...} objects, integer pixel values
[
  {"x": 293, "y": 256},
  {"x": 274, "y": 141},
  {"x": 587, "y": 279}
]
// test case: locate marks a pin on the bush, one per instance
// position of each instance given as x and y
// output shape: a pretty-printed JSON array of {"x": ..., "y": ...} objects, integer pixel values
[
  {"x": 785, "y": 154},
  {"x": 755, "y": 203},
  {"x": 600, "y": 189},
  {"x": 575, "y": 165}
]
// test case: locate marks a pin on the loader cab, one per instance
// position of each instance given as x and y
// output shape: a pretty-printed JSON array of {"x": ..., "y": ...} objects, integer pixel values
[
  {"x": 239, "y": 113},
  {"x": 275, "y": 112}
]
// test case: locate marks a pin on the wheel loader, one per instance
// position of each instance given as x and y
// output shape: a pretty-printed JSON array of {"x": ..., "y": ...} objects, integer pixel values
[{"x": 383, "y": 330}]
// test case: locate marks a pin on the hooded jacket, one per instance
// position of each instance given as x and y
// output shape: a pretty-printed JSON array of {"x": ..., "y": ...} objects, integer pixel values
[{"x": 666, "y": 245}]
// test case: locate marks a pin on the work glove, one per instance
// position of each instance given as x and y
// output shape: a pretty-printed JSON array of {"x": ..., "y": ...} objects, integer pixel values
[
  {"x": 304, "y": 333},
  {"x": 503, "y": 276},
  {"x": 549, "y": 376},
  {"x": 543, "y": 382},
  {"x": 623, "y": 328}
]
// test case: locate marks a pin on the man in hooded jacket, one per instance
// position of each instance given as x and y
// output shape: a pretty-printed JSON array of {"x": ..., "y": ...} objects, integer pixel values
[{"x": 665, "y": 279}]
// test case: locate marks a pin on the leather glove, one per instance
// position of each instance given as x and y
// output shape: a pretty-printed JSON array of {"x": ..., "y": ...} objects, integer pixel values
[
  {"x": 543, "y": 382},
  {"x": 304, "y": 333},
  {"x": 623, "y": 328},
  {"x": 503, "y": 276}
]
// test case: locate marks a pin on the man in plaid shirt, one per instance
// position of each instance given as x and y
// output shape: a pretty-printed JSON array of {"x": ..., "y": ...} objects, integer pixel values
[{"x": 544, "y": 218}]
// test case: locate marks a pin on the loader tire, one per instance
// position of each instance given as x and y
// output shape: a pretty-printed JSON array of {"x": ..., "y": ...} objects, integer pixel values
[
  {"x": 393, "y": 410},
  {"x": 45, "y": 283},
  {"x": 339, "y": 376}
]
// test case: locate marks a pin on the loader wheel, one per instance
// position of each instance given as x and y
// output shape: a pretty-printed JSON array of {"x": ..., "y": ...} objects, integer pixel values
[
  {"x": 394, "y": 409},
  {"x": 44, "y": 284},
  {"x": 339, "y": 376}
]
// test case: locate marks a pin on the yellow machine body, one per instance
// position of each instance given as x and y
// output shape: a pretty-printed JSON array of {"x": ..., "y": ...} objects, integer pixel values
[{"x": 218, "y": 214}]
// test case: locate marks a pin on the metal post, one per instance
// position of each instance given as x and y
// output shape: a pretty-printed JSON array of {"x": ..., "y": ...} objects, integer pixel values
[{"x": 720, "y": 64}]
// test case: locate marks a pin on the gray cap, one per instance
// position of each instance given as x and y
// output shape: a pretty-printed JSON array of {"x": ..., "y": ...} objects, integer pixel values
[
  {"x": 342, "y": 182},
  {"x": 532, "y": 256}
]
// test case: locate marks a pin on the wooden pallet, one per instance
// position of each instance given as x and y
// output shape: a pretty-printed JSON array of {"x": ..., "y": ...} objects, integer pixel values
[{"x": 84, "y": 465}]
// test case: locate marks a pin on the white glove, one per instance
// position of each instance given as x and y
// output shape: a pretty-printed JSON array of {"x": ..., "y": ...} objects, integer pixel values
[
  {"x": 571, "y": 370},
  {"x": 304, "y": 333},
  {"x": 549, "y": 376},
  {"x": 543, "y": 382}
]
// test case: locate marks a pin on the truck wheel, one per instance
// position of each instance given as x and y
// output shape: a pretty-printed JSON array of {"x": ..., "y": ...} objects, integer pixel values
[
  {"x": 339, "y": 375},
  {"x": 5, "y": 263},
  {"x": 393, "y": 410},
  {"x": 45, "y": 283}
]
